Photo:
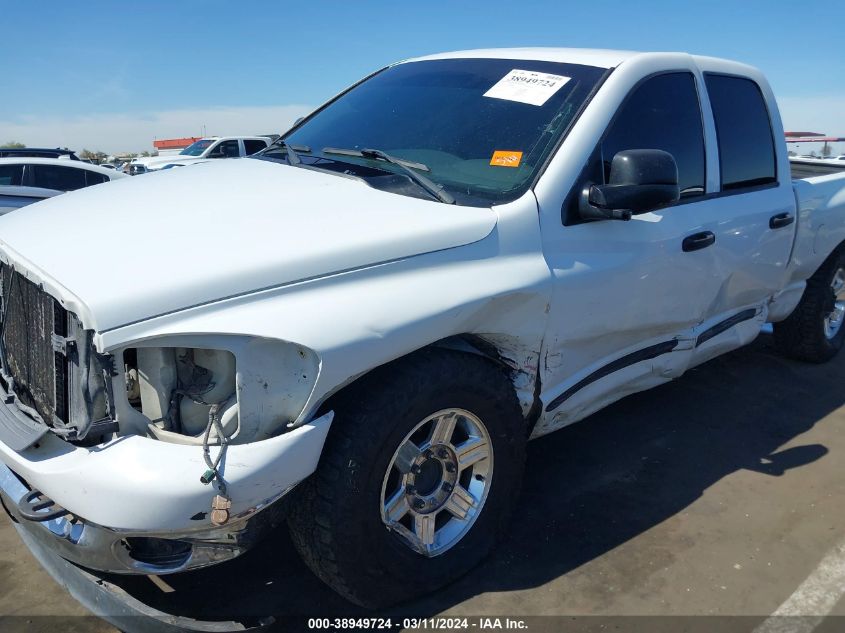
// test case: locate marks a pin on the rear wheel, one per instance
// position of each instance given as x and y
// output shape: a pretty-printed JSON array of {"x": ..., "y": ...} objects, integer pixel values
[
  {"x": 417, "y": 480},
  {"x": 814, "y": 332}
]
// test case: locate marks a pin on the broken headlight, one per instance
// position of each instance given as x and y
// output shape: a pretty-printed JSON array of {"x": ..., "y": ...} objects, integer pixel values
[{"x": 248, "y": 392}]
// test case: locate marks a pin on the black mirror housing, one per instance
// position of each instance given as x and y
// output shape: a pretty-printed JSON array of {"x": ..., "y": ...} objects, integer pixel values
[
  {"x": 641, "y": 180},
  {"x": 643, "y": 167}
]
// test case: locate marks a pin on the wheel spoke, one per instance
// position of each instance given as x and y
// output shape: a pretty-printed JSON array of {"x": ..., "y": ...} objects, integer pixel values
[
  {"x": 444, "y": 428},
  {"x": 460, "y": 503},
  {"x": 405, "y": 456},
  {"x": 409, "y": 537},
  {"x": 396, "y": 507},
  {"x": 838, "y": 281},
  {"x": 424, "y": 528},
  {"x": 471, "y": 452}
]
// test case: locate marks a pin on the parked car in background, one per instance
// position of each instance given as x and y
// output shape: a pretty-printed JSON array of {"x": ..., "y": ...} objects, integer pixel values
[
  {"x": 206, "y": 148},
  {"x": 12, "y": 197},
  {"x": 134, "y": 169},
  {"x": 37, "y": 152},
  {"x": 25, "y": 180}
]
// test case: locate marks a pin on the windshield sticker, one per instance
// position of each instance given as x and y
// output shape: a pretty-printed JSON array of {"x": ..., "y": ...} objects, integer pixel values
[
  {"x": 502, "y": 158},
  {"x": 527, "y": 86}
]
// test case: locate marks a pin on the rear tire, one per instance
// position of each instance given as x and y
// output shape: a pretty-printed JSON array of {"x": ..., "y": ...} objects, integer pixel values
[
  {"x": 339, "y": 522},
  {"x": 815, "y": 332}
]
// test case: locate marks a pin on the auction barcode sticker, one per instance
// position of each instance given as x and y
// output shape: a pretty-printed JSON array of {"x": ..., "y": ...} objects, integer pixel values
[{"x": 527, "y": 86}]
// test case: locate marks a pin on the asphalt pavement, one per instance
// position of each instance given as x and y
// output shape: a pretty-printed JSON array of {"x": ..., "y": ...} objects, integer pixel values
[{"x": 721, "y": 494}]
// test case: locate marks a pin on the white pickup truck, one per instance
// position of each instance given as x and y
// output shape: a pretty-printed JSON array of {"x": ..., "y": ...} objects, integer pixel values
[
  {"x": 361, "y": 327},
  {"x": 202, "y": 150}
]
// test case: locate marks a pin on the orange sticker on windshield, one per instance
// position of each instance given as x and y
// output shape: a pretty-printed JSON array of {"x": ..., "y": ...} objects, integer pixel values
[{"x": 503, "y": 158}]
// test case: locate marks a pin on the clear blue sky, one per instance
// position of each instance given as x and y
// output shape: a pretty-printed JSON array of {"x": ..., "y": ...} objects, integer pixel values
[{"x": 76, "y": 59}]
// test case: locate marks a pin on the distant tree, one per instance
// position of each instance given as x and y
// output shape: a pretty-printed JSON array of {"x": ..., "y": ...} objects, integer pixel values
[
  {"x": 12, "y": 145},
  {"x": 145, "y": 154},
  {"x": 95, "y": 157},
  {"x": 791, "y": 153}
]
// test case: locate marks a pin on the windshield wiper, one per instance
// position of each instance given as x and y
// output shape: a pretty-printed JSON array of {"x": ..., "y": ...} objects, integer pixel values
[
  {"x": 292, "y": 150},
  {"x": 404, "y": 165}
]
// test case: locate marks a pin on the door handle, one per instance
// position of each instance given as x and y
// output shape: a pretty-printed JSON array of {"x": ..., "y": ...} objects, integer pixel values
[
  {"x": 698, "y": 241},
  {"x": 781, "y": 220}
]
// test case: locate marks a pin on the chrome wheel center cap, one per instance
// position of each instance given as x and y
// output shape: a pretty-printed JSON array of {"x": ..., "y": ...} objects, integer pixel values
[{"x": 432, "y": 479}]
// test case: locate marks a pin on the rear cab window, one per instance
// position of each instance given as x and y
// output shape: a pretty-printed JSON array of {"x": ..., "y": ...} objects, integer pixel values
[{"x": 743, "y": 130}]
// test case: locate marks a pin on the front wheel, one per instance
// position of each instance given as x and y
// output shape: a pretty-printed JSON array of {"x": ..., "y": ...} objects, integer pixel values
[
  {"x": 814, "y": 332},
  {"x": 417, "y": 481}
]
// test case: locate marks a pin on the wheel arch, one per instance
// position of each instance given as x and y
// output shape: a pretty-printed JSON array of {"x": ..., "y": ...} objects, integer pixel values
[{"x": 519, "y": 362}]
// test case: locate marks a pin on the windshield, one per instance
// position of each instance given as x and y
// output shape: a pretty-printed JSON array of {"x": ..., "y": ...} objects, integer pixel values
[
  {"x": 478, "y": 128},
  {"x": 196, "y": 148}
]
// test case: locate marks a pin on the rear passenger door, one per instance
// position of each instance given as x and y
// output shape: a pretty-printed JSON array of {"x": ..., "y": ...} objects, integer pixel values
[{"x": 750, "y": 216}]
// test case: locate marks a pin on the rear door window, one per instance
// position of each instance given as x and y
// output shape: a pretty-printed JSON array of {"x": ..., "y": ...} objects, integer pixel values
[
  {"x": 251, "y": 146},
  {"x": 744, "y": 132},
  {"x": 11, "y": 174},
  {"x": 93, "y": 178},
  {"x": 57, "y": 177},
  {"x": 226, "y": 149}
]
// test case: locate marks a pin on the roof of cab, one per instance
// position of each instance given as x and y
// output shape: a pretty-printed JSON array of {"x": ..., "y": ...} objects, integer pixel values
[{"x": 598, "y": 57}]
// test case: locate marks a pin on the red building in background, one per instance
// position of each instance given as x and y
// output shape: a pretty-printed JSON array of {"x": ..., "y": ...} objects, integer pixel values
[{"x": 173, "y": 145}]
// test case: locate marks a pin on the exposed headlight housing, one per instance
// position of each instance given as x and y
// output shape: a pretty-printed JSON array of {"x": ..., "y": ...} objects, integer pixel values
[{"x": 254, "y": 387}]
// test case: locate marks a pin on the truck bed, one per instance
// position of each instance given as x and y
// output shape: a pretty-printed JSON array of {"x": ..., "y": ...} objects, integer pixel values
[{"x": 811, "y": 168}]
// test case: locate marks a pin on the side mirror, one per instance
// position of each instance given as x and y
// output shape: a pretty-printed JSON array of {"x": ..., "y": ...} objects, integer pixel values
[{"x": 640, "y": 181}]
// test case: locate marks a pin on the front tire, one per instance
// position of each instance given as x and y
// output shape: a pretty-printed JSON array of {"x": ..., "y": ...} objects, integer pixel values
[
  {"x": 417, "y": 480},
  {"x": 815, "y": 331}
]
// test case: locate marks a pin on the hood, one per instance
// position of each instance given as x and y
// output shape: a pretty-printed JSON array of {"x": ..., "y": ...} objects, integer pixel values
[
  {"x": 140, "y": 247},
  {"x": 159, "y": 161}
]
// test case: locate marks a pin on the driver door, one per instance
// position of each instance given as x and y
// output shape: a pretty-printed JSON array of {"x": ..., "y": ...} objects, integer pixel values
[{"x": 626, "y": 292}]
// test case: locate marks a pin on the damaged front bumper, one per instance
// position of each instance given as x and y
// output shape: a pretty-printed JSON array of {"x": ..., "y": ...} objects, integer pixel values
[
  {"x": 150, "y": 496},
  {"x": 131, "y": 552},
  {"x": 100, "y": 595}
]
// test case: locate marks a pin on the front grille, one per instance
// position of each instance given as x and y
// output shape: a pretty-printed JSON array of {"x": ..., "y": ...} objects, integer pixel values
[{"x": 31, "y": 318}]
